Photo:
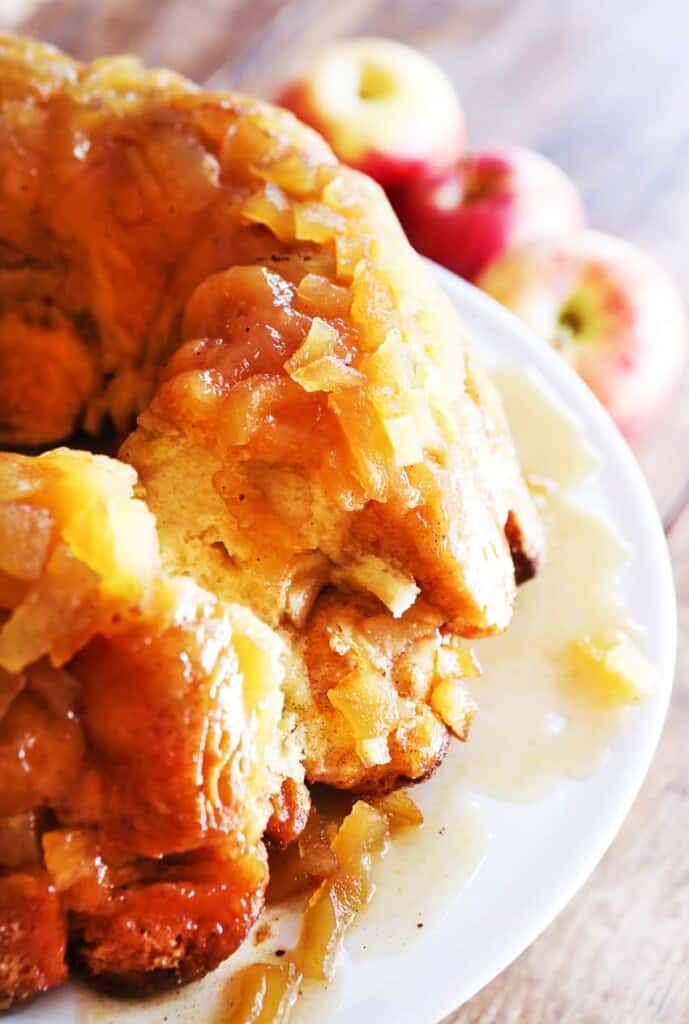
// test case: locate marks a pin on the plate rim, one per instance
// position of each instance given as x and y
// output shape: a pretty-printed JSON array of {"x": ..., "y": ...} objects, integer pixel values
[{"x": 562, "y": 377}]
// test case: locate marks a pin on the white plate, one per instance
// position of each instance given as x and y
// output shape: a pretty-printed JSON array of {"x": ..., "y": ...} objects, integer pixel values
[{"x": 536, "y": 854}]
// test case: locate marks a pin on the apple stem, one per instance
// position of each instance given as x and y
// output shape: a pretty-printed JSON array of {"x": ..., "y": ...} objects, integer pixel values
[{"x": 568, "y": 327}]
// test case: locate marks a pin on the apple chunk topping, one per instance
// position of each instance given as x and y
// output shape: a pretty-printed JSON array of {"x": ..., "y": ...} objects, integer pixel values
[
  {"x": 265, "y": 993},
  {"x": 613, "y": 669},
  {"x": 397, "y": 590},
  {"x": 79, "y": 547}
]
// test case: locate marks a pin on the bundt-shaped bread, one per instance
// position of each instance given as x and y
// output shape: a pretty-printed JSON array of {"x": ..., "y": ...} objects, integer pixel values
[{"x": 328, "y": 500}]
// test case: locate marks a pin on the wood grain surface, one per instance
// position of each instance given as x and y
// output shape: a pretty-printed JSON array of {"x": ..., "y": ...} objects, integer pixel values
[{"x": 602, "y": 87}]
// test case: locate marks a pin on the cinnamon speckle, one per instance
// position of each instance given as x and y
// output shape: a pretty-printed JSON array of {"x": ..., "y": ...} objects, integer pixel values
[{"x": 263, "y": 932}]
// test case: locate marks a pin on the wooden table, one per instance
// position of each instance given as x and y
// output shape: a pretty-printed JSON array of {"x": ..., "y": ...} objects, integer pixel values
[{"x": 602, "y": 86}]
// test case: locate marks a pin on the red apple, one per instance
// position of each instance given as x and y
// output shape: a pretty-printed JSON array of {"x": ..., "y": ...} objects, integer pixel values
[
  {"x": 608, "y": 309},
  {"x": 488, "y": 202},
  {"x": 383, "y": 107}
]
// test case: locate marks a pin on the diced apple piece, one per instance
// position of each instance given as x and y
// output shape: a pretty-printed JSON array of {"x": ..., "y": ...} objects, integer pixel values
[
  {"x": 315, "y": 846},
  {"x": 327, "y": 374},
  {"x": 306, "y": 584},
  {"x": 18, "y": 480},
  {"x": 290, "y": 173},
  {"x": 196, "y": 399},
  {"x": 56, "y": 617},
  {"x": 369, "y": 448},
  {"x": 271, "y": 207},
  {"x": 368, "y": 701},
  {"x": 613, "y": 669},
  {"x": 349, "y": 252},
  {"x": 101, "y": 547},
  {"x": 265, "y": 993},
  {"x": 71, "y": 475},
  {"x": 184, "y": 170},
  {"x": 396, "y": 589},
  {"x": 373, "y": 752},
  {"x": 449, "y": 698},
  {"x": 304, "y": 864},
  {"x": 104, "y": 526},
  {"x": 361, "y": 840},
  {"x": 25, "y": 535},
  {"x": 250, "y": 144},
  {"x": 321, "y": 341},
  {"x": 374, "y": 308},
  {"x": 317, "y": 292},
  {"x": 405, "y": 440},
  {"x": 390, "y": 365},
  {"x": 316, "y": 222},
  {"x": 72, "y": 856},
  {"x": 400, "y": 810},
  {"x": 260, "y": 657},
  {"x": 454, "y": 660},
  {"x": 129, "y": 567},
  {"x": 453, "y": 706}
]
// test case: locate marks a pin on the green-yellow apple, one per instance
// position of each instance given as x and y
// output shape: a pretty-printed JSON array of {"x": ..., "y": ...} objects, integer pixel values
[
  {"x": 383, "y": 107},
  {"x": 608, "y": 309},
  {"x": 469, "y": 214}
]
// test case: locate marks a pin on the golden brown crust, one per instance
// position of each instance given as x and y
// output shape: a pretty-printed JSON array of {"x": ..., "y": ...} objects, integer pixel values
[
  {"x": 185, "y": 793},
  {"x": 525, "y": 548},
  {"x": 157, "y": 936},
  {"x": 33, "y": 936}
]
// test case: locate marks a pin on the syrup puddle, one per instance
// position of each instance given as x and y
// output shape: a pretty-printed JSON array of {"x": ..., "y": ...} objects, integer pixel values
[
  {"x": 448, "y": 850},
  {"x": 535, "y": 726}
]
